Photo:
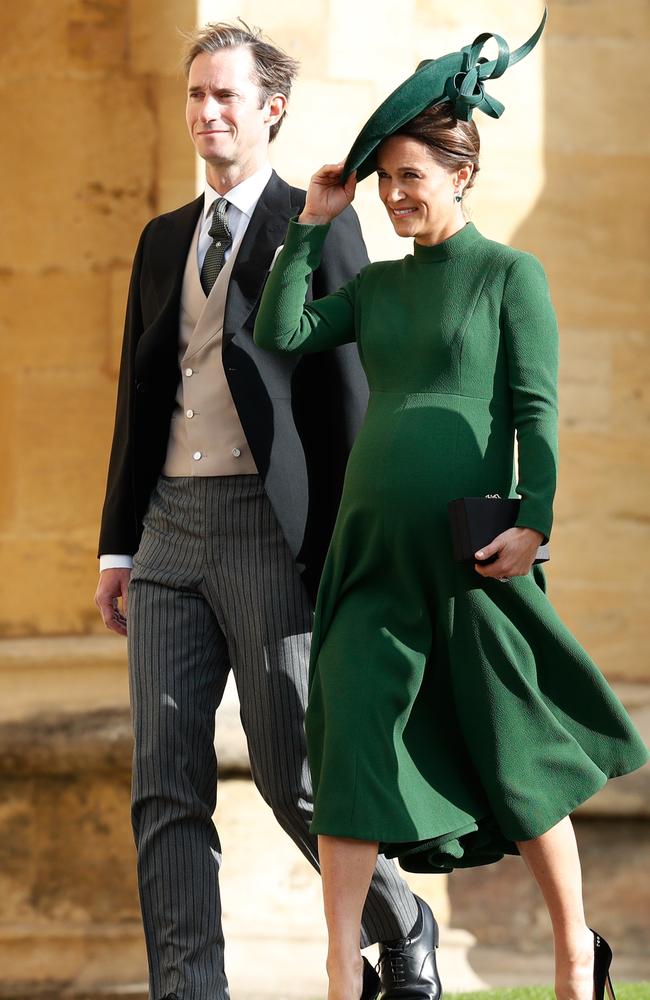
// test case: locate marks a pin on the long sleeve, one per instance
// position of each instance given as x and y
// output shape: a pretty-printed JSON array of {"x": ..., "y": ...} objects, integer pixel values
[
  {"x": 530, "y": 329},
  {"x": 344, "y": 255},
  {"x": 118, "y": 533},
  {"x": 284, "y": 323}
]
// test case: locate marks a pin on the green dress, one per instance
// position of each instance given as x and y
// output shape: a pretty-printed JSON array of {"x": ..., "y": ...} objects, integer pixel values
[{"x": 449, "y": 715}]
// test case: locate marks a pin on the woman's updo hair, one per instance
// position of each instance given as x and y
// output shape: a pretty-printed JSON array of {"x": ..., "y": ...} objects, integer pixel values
[{"x": 452, "y": 142}]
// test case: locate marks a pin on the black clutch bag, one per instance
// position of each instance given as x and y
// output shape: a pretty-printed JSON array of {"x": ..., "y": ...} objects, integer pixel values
[{"x": 476, "y": 521}]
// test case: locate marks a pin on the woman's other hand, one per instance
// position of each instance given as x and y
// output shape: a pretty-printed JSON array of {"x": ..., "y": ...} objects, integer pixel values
[
  {"x": 327, "y": 197},
  {"x": 515, "y": 550}
]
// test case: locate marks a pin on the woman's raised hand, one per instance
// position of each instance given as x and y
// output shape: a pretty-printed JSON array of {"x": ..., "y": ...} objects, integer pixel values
[
  {"x": 327, "y": 197},
  {"x": 515, "y": 550}
]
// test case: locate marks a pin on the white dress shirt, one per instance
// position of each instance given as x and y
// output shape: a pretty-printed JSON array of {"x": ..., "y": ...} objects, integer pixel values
[{"x": 242, "y": 201}]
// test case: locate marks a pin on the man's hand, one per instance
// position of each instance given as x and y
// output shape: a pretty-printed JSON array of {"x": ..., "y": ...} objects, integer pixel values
[
  {"x": 327, "y": 197},
  {"x": 516, "y": 549},
  {"x": 113, "y": 585}
]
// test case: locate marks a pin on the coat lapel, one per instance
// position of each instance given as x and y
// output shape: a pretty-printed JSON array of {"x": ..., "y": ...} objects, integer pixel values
[
  {"x": 167, "y": 256},
  {"x": 265, "y": 233}
]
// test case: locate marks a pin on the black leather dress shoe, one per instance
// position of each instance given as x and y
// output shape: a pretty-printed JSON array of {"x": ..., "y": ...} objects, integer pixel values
[{"x": 407, "y": 967}]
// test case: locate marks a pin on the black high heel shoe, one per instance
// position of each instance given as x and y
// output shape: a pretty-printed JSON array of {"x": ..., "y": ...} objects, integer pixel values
[
  {"x": 371, "y": 982},
  {"x": 602, "y": 962}
]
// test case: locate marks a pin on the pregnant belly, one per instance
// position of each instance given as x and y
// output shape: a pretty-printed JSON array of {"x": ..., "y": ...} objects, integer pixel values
[{"x": 424, "y": 449}]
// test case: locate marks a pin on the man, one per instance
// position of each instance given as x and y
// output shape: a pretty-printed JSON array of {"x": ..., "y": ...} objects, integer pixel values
[{"x": 224, "y": 480}]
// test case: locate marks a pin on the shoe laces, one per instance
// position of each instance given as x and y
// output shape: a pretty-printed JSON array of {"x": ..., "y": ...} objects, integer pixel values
[{"x": 393, "y": 954}]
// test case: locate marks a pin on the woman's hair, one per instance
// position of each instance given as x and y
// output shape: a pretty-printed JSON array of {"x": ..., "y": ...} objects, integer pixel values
[
  {"x": 275, "y": 71},
  {"x": 452, "y": 143}
]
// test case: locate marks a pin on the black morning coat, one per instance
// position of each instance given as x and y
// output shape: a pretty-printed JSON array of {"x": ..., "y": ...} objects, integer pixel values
[{"x": 300, "y": 414}]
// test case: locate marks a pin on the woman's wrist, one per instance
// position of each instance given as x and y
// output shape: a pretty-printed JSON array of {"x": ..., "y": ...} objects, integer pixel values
[
  {"x": 539, "y": 537},
  {"x": 309, "y": 219}
]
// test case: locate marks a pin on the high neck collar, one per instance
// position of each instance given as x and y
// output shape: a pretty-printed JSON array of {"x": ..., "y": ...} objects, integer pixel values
[{"x": 453, "y": 246}]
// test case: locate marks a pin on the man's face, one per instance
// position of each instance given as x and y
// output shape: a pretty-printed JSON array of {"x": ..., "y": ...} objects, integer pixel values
[{"x": 223, "y": 111}]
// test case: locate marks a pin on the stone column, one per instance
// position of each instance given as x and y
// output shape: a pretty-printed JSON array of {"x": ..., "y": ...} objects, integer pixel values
[{"x": 94, "y": 144}]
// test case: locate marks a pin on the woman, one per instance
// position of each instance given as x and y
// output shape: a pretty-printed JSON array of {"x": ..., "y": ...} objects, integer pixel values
[{"x": 452, "y": 716}]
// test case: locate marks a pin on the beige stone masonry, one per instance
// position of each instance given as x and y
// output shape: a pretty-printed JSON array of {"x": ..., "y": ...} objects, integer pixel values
[{"x": 94, "y": 144}]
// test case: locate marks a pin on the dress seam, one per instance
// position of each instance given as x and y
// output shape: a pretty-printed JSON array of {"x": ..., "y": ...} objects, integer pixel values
[
  {"x": 437, "y": 392},
  {"x": 470, "y": 314}
]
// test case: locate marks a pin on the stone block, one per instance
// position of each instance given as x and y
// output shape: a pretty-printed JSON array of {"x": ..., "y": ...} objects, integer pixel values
[
  {"x": 600, "y": 478},
  {"x": 63, "y": 39},
  {"x": 588, "y": 19},
  {"x": 53, "y": 581},
  {"x": 304, "y": 143},
  {"x": 55, "y": 319},
  {"x": 8, "y": 457},
  {"x": 610, "y": 622},
  {"x": 61, "y": 476},
  {"x": 574, "y": 228},
  {"x": 64, "y": 816},
  {"x": 97, "y": 35},
  {"x": 507, "y": 190},
  {"x": 503, "y": 969},
  {"x": 31, "y": 33},
  {"x": 40, "y": 675},
  {"x": 501, "y": 904},
  {"x": 631, "y": 389},
  {"x": 155, "y": 35},
  {"x": 296, "y": 27},
  {"x": 176, "y": 157},
  {"x": 612, "y": 553},
  {"x": 367, "y": 46},
  {"x": 98, "y": 194},
  {"x": 607, "y": 120},
  {"x": 514, "y": 22},
  {"x": 251, "y": 11},
  {"x": 585, "y": 396}
]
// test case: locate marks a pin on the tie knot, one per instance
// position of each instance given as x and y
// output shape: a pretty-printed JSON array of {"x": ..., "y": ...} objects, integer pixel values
[{"x": 219, "y": 226}]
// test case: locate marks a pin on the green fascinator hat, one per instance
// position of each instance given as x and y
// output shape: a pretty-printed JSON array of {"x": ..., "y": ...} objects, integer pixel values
[{"x": 458, "y": 78}]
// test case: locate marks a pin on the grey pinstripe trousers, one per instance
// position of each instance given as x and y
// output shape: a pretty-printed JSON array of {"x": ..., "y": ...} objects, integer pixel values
[{"x": 214, "y": 587}]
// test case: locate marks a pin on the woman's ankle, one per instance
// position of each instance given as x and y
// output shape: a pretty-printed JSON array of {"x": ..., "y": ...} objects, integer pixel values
[
  {"x": 573, "y": 941},
  {"x": 341, "y": 957}
]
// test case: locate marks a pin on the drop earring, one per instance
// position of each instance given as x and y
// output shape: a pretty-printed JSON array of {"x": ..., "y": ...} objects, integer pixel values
[{"x": 458, "y": 196}]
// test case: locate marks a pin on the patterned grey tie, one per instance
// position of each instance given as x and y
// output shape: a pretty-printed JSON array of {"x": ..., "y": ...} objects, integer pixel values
[{"x": 221, "y": 240}]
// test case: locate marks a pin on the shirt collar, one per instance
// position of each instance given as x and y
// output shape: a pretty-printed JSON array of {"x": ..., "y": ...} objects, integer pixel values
[{"x": 244, "y": 195}]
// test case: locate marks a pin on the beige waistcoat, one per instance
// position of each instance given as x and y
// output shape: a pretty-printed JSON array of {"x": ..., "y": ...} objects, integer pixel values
[{"x": 206, "y": 436}]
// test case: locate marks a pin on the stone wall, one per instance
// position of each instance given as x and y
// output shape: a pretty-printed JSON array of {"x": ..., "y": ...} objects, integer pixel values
[
  {"x": 94, "y": 144},
  {"x": 590, "y": 228},
  {"x": 92, "y": 109}
]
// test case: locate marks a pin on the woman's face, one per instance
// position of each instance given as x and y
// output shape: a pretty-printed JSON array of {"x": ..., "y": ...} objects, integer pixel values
[{"x": 418, "y": 193}]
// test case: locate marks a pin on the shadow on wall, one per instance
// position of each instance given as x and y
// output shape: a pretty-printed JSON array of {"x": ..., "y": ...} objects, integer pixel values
[{"x": 590, "y": 231}]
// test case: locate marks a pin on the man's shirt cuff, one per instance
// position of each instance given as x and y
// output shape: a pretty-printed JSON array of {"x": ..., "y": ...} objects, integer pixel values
[{"x": 115, "y": 562}]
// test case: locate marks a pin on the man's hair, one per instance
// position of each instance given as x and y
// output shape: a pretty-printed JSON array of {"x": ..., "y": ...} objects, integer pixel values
[{"x": 274, "y": 70}]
